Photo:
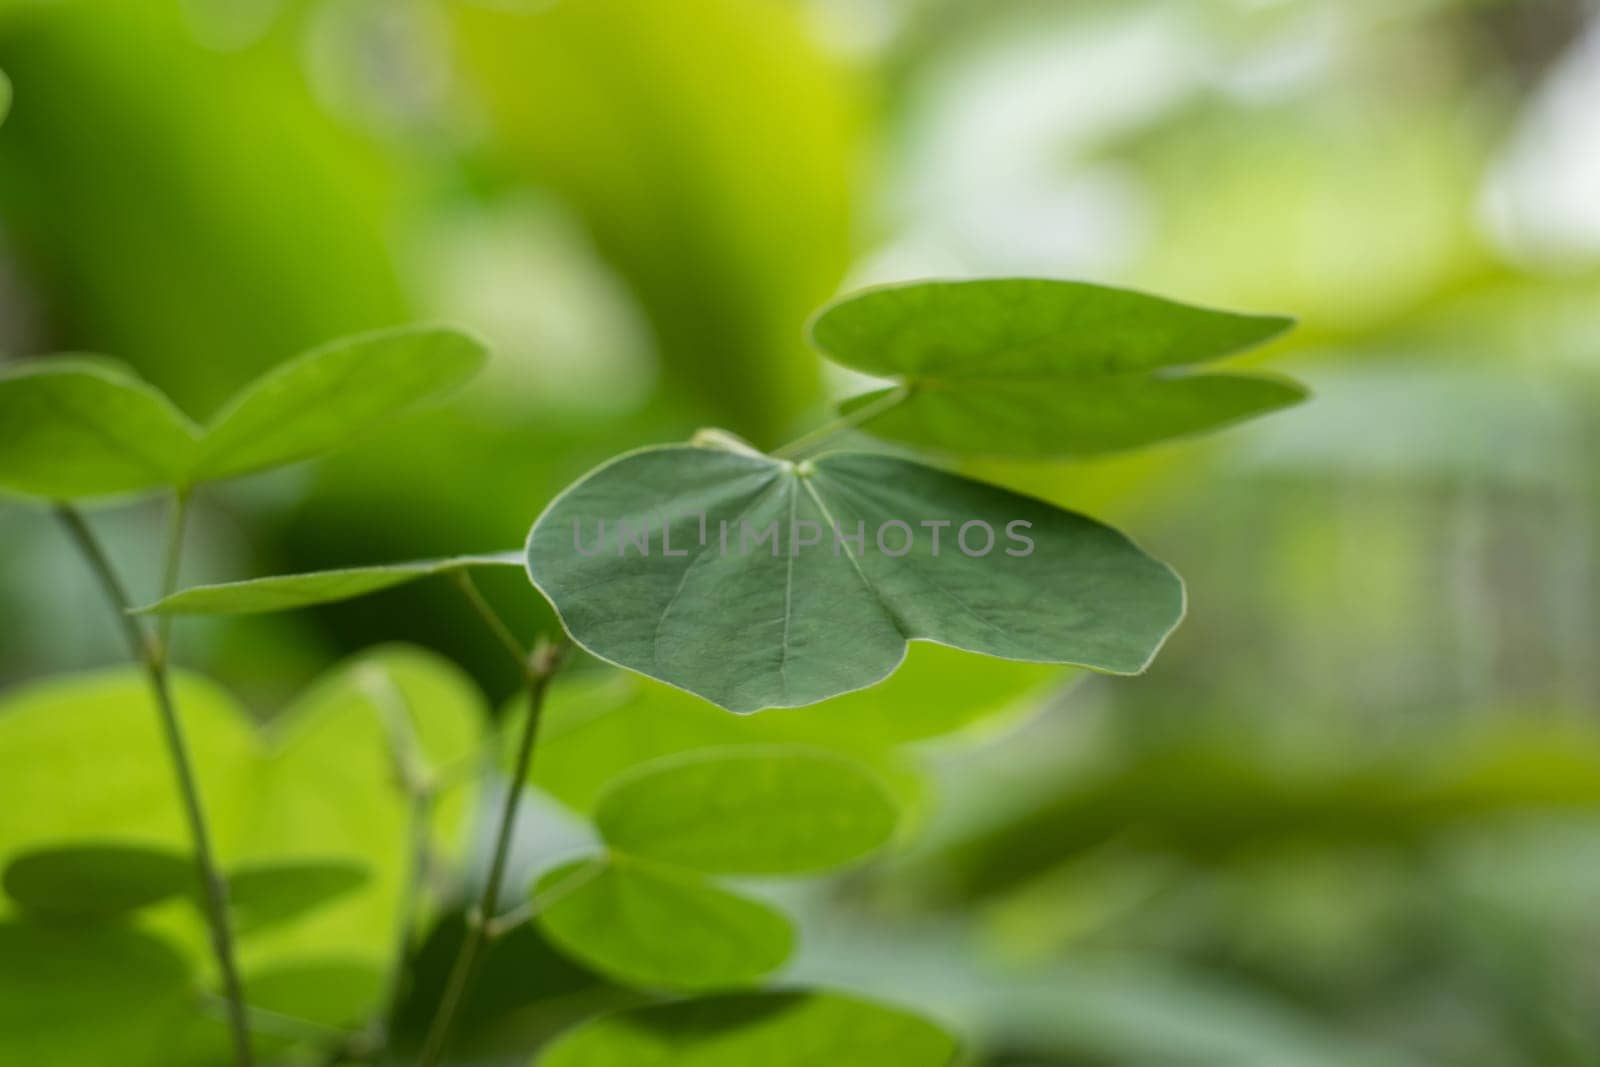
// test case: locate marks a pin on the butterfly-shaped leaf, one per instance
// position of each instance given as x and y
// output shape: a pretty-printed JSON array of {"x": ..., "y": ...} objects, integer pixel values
[
  {"x": 1036, "y": 368},
  {"x": 285, "y": 592},
  {"x": 329, "y": 396},
  {"x": 748, "y": 809},
  {"x": 756, "y": 582},
  {"x": 788, "y": 1029},
  {"x": 659, "y": 927},
  {"x": 80, "y": 427}
]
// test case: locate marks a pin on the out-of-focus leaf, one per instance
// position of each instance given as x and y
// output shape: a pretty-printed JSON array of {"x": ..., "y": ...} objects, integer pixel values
[
  {"x": 264, "y": 894},
  {"x": 84, "y": 755},
  {"x": 748, "y": 810},
  {"x": 797, "y": 622},
  {"x": 716, "y": 133},
  {"x": 202, "y": 224},
  {"x": 332, "y": 395},
  {"x": 285, "y": 592},
  {"x": 799, "y": 1029},
  {"x": 1034, "y": 368},
  {"x": 334, "y": 995},
  {"x": 97, "y": 881},
  {"x": 5, "y": 96},
  {"x": 80, "y": 428},
  {"x": 658, "y": 927},
  {"x": 86, "y": 996},
  {"x": 598, "y": 726}
]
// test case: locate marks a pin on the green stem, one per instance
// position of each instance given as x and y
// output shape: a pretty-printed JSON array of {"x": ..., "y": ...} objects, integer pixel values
[
  {"x": 859, "y": 417},
  {"x": 153, "y": 658},
  {"x": 490, "y": 617},
  {"x": 540, "y": 668},
  {"x": 177, "y": 518}
]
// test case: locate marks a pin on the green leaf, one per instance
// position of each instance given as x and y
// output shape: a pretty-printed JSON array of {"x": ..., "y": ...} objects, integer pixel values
[
  {"x": 86, "y": 996},
  {"x": 331, "y": 395},
  {"x": 97, "y": 881},
  {"x": 751, "y": 809},
  {"x": 285, "y": 592},
  {"x": 794, "y": 1029},
  {"x": 5, "y": 96},
  {"x": 75, "y": 427},
  {"x": 659, "y": 927},
  {"x": 1035, "y": 368},
  {"x": 264, "y": 894},
  {"x": 791, "y": 625}
]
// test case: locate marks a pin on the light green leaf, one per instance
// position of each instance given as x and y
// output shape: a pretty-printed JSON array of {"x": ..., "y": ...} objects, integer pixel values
[
  {"x": 659, "y": 927},
  {"x": 86, "y": 996},
  {"x": 1036, "y": 368},
  {"x": 331, "y": 395},
  {"x": 786, "y": 624},
  {"x": 751, "y": 809},
  {"x": 791, "y": 1029},
  {"x": 97, "y": 881},
  {"x": 75, "y": 427},
  {"x": 264, "y": 894},
  {"x": 285, "y": 592},
  {"x": 5, "y": 96}
]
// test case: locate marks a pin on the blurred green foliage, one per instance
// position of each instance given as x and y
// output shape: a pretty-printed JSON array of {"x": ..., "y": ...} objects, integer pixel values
[{"x": 1348, "y": 818}]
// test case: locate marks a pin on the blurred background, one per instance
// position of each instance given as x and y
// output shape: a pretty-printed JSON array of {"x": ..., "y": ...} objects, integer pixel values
[{"x": 1353, "y": 813}]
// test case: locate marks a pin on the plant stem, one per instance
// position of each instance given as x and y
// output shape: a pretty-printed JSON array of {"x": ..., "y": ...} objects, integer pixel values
[
  {"x": 539, "y": 669},
  {"x": 859, "y": 417},
  {"x": 177, "y": 517},
  {"x": 152, "y": 656},
  {"x": 490, "y": 617}
]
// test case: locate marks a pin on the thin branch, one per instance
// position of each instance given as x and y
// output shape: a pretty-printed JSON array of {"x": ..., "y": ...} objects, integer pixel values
[
  {"x": 541, "y": 667},
  {"x": 491, "y": 618},
  {"x": 147, "y": 650},
  {"x": 859, "y": 417}
]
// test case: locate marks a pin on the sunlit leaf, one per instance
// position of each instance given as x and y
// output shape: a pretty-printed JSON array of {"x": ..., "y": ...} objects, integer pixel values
[
  {"x": 75, "y": 427},
  {"x": 658, "y": 927},
  {"x": 798, "y": 1029},
  {"x": 1036, "y": 368},
  {"x": 285, "y": 592},
  {"x": 332, "y": 395},
  {"x": 86, "y": 996},
  {"x": 263, "y": 894},
  {"x": 329, "y": 999},
  {"x": 783, "y": 612},
  {"x": 5, "y": 96},
  {"x": 97, "y": 880},
  {"x": 748, "y": 810}
]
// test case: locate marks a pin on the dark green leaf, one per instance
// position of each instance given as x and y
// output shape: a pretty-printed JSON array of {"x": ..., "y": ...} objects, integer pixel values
[
  {"x": 73, "y": 996},
  {"x": 332, "y": 395},
  {"x": 285, "y": 592},
  {"x": 79, "y": 427},
  {"x": 97, "y": 881},
  {"x": 1036, "y": 368},
  {"x": 659, "y": 927},
  {"x": 799, "y": 1029},
  {"x": 264, "y": 894},
  {"x": 791, "y": 625},
  {"x": 751, "y": 809}
]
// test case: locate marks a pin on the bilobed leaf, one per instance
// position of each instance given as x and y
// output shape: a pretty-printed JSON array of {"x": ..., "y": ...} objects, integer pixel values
[
  {"x": 659, "y": 927},
  {"x": 267, "y": 893},
  {"x": 751, "y": 809},
  {"x": 332, "y": 395},
  {"x": 97, "y": 880},
  {"x": 285, "y": 592},
  {"x": 86, "y": 996},
  {"x": 751, "y": 623},
  {"x": 74, "y": 427},
  {"x": 789, "y": 1029},
  {"x": 1036, "y": 368}
]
